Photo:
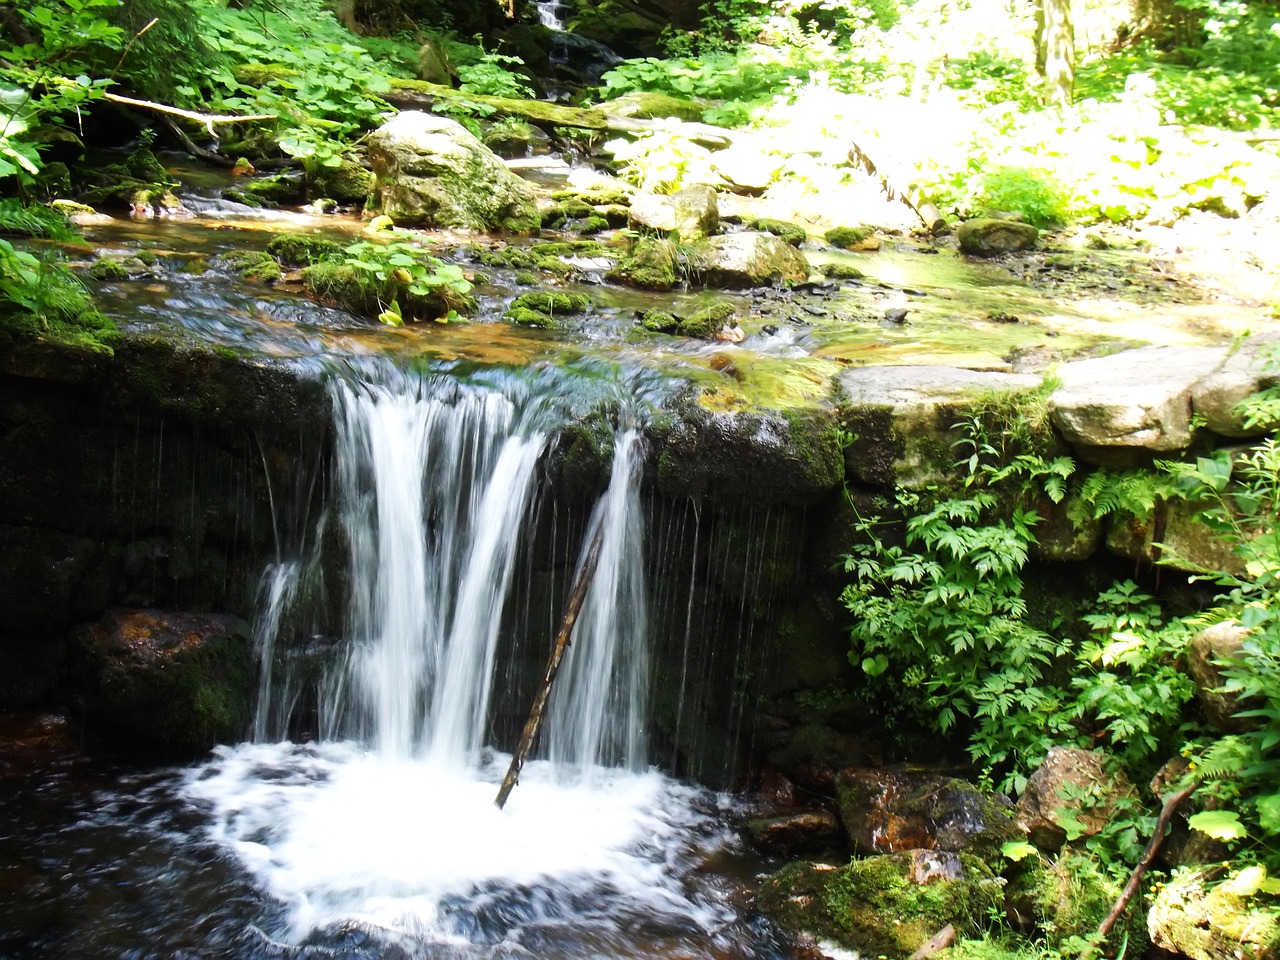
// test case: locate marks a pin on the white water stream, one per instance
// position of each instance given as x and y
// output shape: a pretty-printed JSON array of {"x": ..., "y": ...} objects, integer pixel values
[{"x": 388, "y": 824}]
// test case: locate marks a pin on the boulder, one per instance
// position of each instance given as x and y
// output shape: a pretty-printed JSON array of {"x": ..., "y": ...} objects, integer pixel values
[
  {"x": 746, "y": 260},
  {"x": 346, "y": 183},
  {"x": 1135, "y": 400},
  {"x": 1194, "y": 916},
  {"x": 1067, "y": 772},
  {"x": 433, "y": 63},
  {"x": 986, "y": 237},
  {"x": 1244, "y": 372},
  {"x": 1177, "y": 536},
  {"x": 901, "y": 418},
  {"x": 181, "y": 680},
  {"x": 690, "y": 213},
  {"x": 794, "y": 832},
  {"x": 652, "y": 265},
  {"x": 430, "y": 171},
  {"x": 887, "y": 905},
  {"x": 889, "y": 812},
  {"x": 1211, "y": 646}
]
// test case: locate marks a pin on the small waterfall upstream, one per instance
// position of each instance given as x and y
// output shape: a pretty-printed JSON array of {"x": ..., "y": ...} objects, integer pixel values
[{"x": 386, "y": 826}]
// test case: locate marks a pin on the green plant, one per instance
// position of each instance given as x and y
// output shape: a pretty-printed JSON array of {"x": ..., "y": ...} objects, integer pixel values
[
  {"x": 400, "y": 271},
  {"x": 1034, "y": 196}
]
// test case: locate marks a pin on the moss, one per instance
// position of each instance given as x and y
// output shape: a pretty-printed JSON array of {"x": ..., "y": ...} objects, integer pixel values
[
  {"x": 64, "y": 314},
  {"x": 572, "y": 248},
  {"x": 553, "y": 265},
  {"x": 594, "y": 225},
  {"x": 523, "y": 220},
  {"x": 346, "y": 183},
  {"x": 262, "y": 74},
  {"x": 300, "y": 249},
  {"x": 1068, "y": 898},
  {"x": 524, "y": 278},
  {"x": 528, "y": 317},
  {"x": 603, "y": 194},
  {"x": 652, "y": 265},
  {"x": 708, "y": 321},
  {"x": 253, "y": 265},
  {"x": 841, "y": 271},
  {"x": 104, "y": 268},
  {"x": 790, "y": 232},
  {"x": 553, "y": 302},
  {"x": 364, "y": 294},
  {"x": 847, "y": 236},
  {"x": 273, "y": 190},
  {"x": 143, "y": 165},
  {"x": 874, "y": 907},
  {"x": 148, "y": 258},
  {"x": 659, "y": 321},
  {"x": 582, "y": 458}
]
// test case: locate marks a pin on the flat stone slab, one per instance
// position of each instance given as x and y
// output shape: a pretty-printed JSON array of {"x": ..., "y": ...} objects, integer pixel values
[
  {"x": 1137, "y": 399},
  {"x": 926, "y": 386}
]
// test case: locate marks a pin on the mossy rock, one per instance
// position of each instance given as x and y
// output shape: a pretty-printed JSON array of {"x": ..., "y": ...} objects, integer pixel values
[
  {"x": 346, "y": 183},
  {"x": 262, "y": 74},
  {"x": 553, "y": 302},
  {"x": 366, "y": 296},
  {"x": 847, "y": 236},
  {"x": 708, "y": 321},
  {"x": 659, "y": 321},
  {"x": 602, "y": 194},
  {"x": 528, "y": 317},
  {"x": 572, "y": 248},
  {"x": 301, "y": 249},
  {"x": 1066, "y": 898},
  {"x": 253, "y": 265},
  {"x": 789, "y": 232},
  {"x": 1198, "y": 916},
  {"x": 524, "y": 278},
  {"x": 274, "y": 190},
  {"x": 143, "y": 165},
  {"x": 841, "y": 271},
  {"x": 652, "y": 265},
  {"x": 68, "y": 318},
  {"x": 650, "y": 105},
  {"x": 886, "y": 906},
  {"x": 106, "y": 268}
]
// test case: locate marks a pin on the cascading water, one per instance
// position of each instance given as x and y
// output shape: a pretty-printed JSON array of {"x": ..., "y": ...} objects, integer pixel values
[{"x": 387, "y": 825}]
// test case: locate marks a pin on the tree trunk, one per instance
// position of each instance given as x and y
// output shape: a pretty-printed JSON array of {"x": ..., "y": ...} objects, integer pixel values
[{"x": 1055, "y": 51}]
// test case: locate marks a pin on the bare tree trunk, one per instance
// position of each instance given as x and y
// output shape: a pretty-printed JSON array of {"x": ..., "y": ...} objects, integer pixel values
[{"x": 1055, "y": 51}]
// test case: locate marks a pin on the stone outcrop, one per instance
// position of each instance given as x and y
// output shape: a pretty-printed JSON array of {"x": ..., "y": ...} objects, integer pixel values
[
  {"x": 430, "y": 171},
  {"x": 1219, "y": 643},
  {"x": 180, "y": 680}
]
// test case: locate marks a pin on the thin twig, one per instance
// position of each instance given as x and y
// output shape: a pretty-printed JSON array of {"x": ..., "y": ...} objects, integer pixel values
[
  {"x": 208, "y": 119},
  {"x": 129, "y": 45}
]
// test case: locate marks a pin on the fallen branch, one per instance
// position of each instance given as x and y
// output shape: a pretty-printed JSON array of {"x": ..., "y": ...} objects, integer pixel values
[
  {"x": 197, "y": 151},
  {"x": 939, "y": 941},
  {"x": 586, "y": 574},
  {"x": 928, "y": 213},
  {"x": 1171, "y": 804},
  {"x": 208, "y": 119}
]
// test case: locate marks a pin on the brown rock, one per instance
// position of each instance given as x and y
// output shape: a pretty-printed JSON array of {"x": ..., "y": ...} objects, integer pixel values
[
  {"x": 1212, "y": 645},
  {"x": 1068, "y": 771}
]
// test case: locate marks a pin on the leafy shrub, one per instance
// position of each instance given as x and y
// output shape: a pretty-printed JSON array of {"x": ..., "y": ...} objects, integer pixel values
[{"x": 1033, "y": 196}]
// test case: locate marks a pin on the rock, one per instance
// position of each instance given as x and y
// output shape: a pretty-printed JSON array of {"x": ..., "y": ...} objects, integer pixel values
[
  {"x": 652, "y": 265},
  {"x": 901, "y": 418},
  {"x": 1067, "y": 897},
  {"x": 746, "y": 169},
  {"x": 1059, "y": 536},
  {"x": 1068, "y": 771},
  {"x": 794, "y": 832},
  {"x": 1219, "y": 642},
  {"x": 883, "y": 906},
  {"x": 347, "y": 183},
  {"x": 433, "y": 63},
  {"x": 690, "y": 213},
  {"x": 183, "y": 680},
  {"x": 1109, "y": 405},
  {"x": 746, "y": 260},
  {"x": 430, "y": 171},
  {"x": 1244, "y": 372},
  {"x": 889, "y": 812},
  {"x": 847, "y": 237},
  {"x": 1192, "y": 916},
  {"x": 1176, "y": 535},
  {"x": 790, "y": 232},
  {"x": 648, "y": 105},
  {"x": 985, "y": 237}
]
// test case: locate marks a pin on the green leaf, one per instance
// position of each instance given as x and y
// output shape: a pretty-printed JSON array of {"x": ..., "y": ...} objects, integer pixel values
[
  {"x": 1218, "y": 824},
  {"x": 1017, "y": 850},
  {"x": 1268, "y": 808}
]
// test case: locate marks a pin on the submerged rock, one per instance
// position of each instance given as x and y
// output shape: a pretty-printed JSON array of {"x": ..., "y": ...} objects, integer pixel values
[
  {"x": 794, "y": 831},
  {"x": 179, "y": 679},
  {"x": 985, "y": 237},
  {"x": 430, "y": 171},
  {"x": 887, "y": 905},
  {"x": 746, "y": 260}
]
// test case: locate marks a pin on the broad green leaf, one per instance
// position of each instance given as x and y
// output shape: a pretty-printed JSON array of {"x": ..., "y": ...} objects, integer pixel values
[
  {"x": 1017, "y": 850},
  {"x": 1218, "y": 824}
]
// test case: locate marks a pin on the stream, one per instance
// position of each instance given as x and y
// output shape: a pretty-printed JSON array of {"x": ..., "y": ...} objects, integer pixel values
[{"x": 380, "y": 839}]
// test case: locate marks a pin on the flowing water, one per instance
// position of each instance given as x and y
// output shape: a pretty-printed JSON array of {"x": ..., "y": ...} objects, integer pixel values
[{"x": 381, "y": 838}]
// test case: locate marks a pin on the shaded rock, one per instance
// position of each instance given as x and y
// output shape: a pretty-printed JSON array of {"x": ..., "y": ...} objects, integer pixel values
[
  {"x": 179, "y": 679},
  {"x": 1175, "y": 535},
  {"x": 1135, "y": 399},
  {"x": 1212, "y": 645},
  {"x": 985, "y": 237},
  {"x": 794, "y": 832},
  {"x": 901, "y": 418},
  {"x": 430, "y": 171},
  {"x": 746, "y": 260},
  {"x": 690, "y": 213},
  {"x": 889, "y": 812},
  {"x": 1193, "y": 916},
  {"x": 1067, "y": 771},
  {"x": 346, "y": 183},
  {"x": 1066, "y": 897},
  {"x": 652, "y": 265},
  {"x": 1060, "y": 537},
  {"x": 883, "y": 906},
  {"x": 433, "y": 63}
]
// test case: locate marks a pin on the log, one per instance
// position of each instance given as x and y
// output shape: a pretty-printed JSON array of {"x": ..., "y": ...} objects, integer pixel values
[
  {"x": 1171, "y": 804},
  {"x": 420, "y": 95},
  {"x": 939, "y": 941},
  {"x": 586, "y": 573}
]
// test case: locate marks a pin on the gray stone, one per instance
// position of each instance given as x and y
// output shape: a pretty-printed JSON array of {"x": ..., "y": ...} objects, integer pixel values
[
  {"x": 432, "y": 172},
  {"x": 433, "y": 63},
  {"x": 986, "y": 237},
  {"x": 691, "y": 213},
  {"x": 1138, "y": 399},
  {"x": 1177, "y": 536},
  {"x": 746, "y": 260},
  {"x": 1244, "y": 372},
  {"x": 901, "y": 418}
]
